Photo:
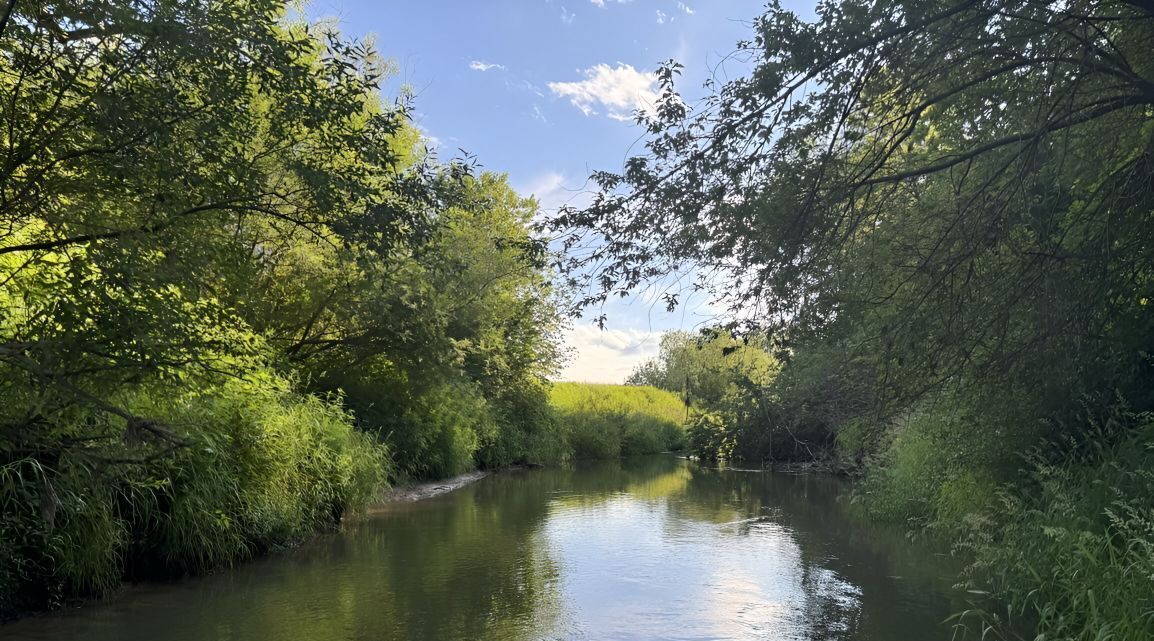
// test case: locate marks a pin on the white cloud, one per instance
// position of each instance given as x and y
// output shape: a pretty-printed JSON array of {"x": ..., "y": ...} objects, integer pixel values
[
  {"x": 567, "y": 16},
  {"x": 684, "y": 7},
  {"x": 660, "y": 17},
  {"x": 481, "y": 65},
  {"x": 551, "y": 192},
  {"x": 431, "y": 141},
  {"x": 537, "y": 115},
  {"x": 599, "y": 3},
  {"x": 619, "y": 90},
  {"x": 607, "y": 356}
]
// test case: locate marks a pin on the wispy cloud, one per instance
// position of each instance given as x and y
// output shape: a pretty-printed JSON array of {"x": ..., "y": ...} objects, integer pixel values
[
  {"x": 686, "y": 8},
  {"x": 661, "y": 17},
  {"x": 481, "y": 65},
  {"x": 601, "y": 3},
  {"x": 567, "y": 16},
  {"x": 619, "y": 90},
  {"x": 537, "y": 115},
  {"x": 520, "y": 84},
  {"x": 551, "y": 191}
]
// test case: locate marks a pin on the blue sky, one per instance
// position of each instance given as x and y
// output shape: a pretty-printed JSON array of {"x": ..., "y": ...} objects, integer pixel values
[{"x": 543, "y": 90}]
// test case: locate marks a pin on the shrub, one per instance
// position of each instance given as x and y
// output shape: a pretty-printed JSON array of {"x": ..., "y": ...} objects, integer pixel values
[
  {"x": 1072, "y": 547},
  {"x": 709, "y": 437},
  {"x": 606, "y": 421},
  {"x": 262, "y": 466},
  {"x": 935, "y": 465},
  {"x": 529, "y": 432}
]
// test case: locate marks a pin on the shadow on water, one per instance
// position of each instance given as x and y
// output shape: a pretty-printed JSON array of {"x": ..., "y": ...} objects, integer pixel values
[{"x": 650, "y": 548}]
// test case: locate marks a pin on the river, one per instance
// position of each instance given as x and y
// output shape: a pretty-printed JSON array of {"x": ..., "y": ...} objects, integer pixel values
[{"x": 645, "y": 549}]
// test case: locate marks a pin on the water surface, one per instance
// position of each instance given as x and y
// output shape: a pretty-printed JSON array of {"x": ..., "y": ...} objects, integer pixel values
[{"x": 654, "y": 548}]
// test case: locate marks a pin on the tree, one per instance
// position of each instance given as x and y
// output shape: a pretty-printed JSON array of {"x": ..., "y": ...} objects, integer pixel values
[
  {"x": 955, "y": 184},
  {"x": 140, "y": 184},
  {"x": 237, "y": 293},
  {"x": 707, "y": 368}
]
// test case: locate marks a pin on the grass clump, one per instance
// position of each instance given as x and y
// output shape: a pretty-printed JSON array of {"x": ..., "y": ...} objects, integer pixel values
[
  {"x": 606, "y": 421},
  {"x": 1071, "y": 547}
]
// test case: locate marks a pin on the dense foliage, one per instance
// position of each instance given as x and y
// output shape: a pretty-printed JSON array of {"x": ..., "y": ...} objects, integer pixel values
[
  {"x": 606, "y": 421},
  {"x": 942, "y": 213},
  {"x": 237, "y": 294}
]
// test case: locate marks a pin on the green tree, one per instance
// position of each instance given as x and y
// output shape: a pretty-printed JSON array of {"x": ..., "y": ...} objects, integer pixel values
[
  {"x": 942, "y": 213},
  {"x": 221, "y": 253},
  {"x": 968, "y": 179},
  {"x": 704, "y": 369}
]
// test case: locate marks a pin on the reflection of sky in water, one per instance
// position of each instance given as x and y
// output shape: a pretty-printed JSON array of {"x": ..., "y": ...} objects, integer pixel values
[
  {"x": 633, "y": 568},
  {"x": 644, "y": 550}
]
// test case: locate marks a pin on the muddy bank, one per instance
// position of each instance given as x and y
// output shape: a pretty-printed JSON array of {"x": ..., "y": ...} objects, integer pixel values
[{"x": 419, "y": 491}]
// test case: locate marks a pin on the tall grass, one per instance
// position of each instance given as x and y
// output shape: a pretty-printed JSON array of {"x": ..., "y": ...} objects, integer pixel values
[
  {"x": 605, "y": 421},
  {"x": 261, "y": 466},
  {"x": 1072, "y": 547},
  {"x": 1067, "y": 543}
]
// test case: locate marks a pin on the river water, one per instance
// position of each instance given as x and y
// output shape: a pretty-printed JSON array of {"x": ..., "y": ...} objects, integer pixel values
[{"x": 652, "y": 548}]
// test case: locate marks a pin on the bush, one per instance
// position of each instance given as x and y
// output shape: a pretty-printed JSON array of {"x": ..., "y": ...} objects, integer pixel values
[
  {"x": 439, "y": 430},
  {"x": 261, "y": 466},
  {"x": 529, "y": 432},
  {"x": 935, "y": 465},
  {"x": 594, "y": 436},
  {"x": 433, "y": 425},
  {"x": 1073, "y": 546},
  {"x": 709, "y": 437},
  {"x": 606, "y": 421}
]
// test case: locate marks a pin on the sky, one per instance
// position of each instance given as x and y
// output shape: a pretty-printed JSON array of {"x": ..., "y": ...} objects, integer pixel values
[{"x": 544, "y": 90}]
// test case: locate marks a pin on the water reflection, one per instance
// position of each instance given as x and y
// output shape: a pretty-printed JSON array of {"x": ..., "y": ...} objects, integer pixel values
[{"x": 647, "y": 549}]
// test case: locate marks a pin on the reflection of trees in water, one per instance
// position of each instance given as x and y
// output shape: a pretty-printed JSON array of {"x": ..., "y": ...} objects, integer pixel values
[
  {"x": 858, "y": 580},
  {"x": 648, "y": 478},
  {"x": 476, "y": 564},
  {"x": 469, "y": 566}
]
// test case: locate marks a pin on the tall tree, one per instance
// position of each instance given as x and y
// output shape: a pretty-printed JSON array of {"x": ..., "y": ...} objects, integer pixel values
[{"x": 151, "y": 149}]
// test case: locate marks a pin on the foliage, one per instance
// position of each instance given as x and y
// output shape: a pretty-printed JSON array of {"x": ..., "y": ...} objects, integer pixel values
[
  {"x": 928, "y": 467},
  {"x": 1074, "y": 549},
  {"x": 940, "y": 213},
  {"x": 743, "y": 409},
  {"x": 263, "y": 467},
  {"x": 606, "y": 421},
  {"x": 703, "y": 369},
  {"x": 709, "y": 436},
  {"x": 210, "y": 274},
  {"x": 531, "y": 432},
  {"x": 894, "y": 157},
  {"x": 437, "y": 430}
]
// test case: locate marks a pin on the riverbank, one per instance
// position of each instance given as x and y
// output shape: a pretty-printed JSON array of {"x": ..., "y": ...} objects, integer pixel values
[
  {"x": 650, "y": 547},
  {"x": 406, "y": 493},
  {"x": 420, "y": 491},
  {"x": 188, "y": 523}
]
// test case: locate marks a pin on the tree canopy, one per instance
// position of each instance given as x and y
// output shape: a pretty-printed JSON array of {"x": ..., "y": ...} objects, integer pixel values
[
  {"x": 961, "y": 173},
  {"x": 941, "y": 214},
  {"x": 237, "y": 292}
]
